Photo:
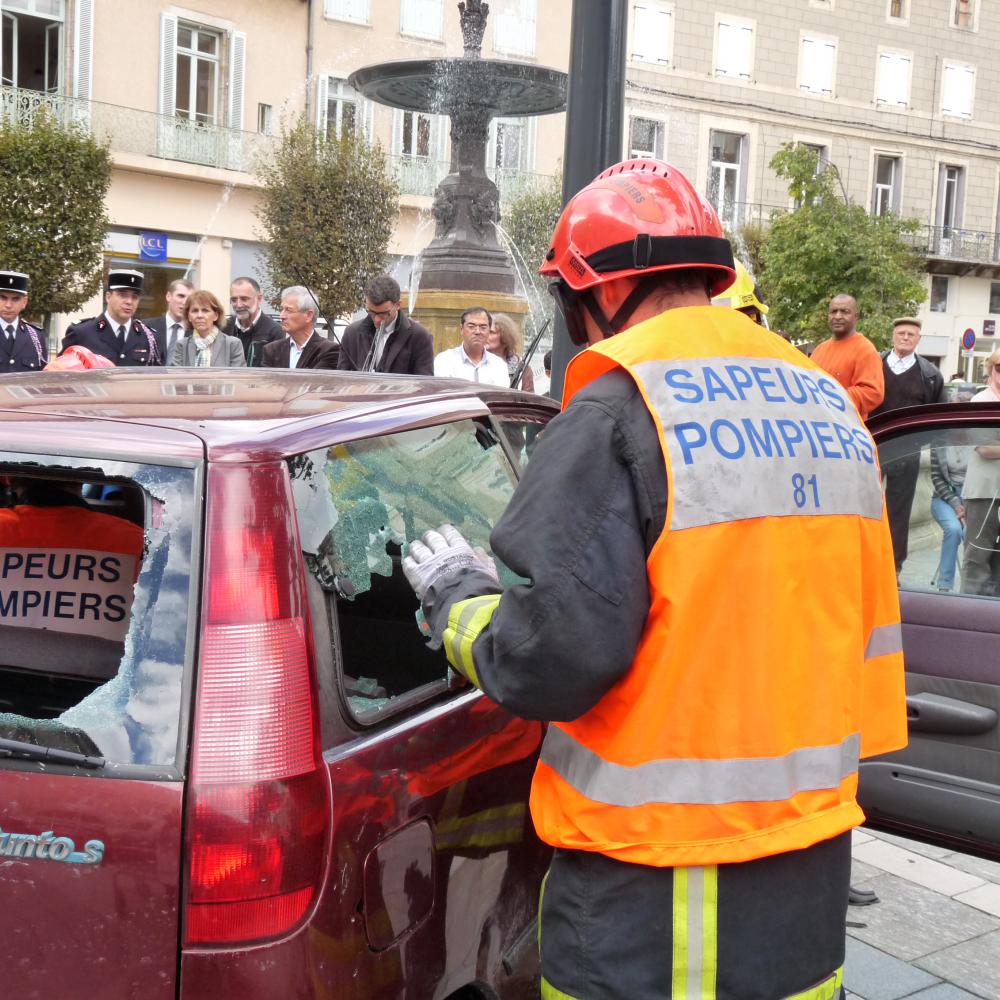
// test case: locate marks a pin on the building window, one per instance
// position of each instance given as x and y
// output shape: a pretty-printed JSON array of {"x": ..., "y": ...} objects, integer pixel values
[
  {"x": 963, "y": 13},
  {"x": 423, "y": 18},
  {"x": 726, "y": 174},
  {"x": 892, "y": 85},
  {"x": 899, "y": 10},
  {"x": 32, "y": 53},
  {"x": 817, "y": 65},
  {"x": 514, "y": 26},
  {"x": 652, "y": 32},
  {"x": 822, "y": 159},
  {"x": 734, "y": 48},
  {"x": 994, "y": 299},
  {"x": 885, "y": 198},
  {"x": 951, "y": 191},
  {"x": 645, "y": 139},
  {"x": 199, "y": 52},
  {"x": 357, "y": 11},
  {"x": 939, "y": 293},
  {"x": 414, "y": 134},
  {"x": 511, "y": 144},
  {"x": 958, "y": 89},
  {"x": 341, "y": 111},
  {"x": 265, "y": 119}
]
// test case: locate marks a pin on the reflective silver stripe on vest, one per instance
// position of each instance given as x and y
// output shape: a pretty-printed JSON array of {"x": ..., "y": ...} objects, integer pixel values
[
  {"x": 759, "y": 437},
  {"x": 884, "y": 640},
  {"x": 699, "y": 782}
]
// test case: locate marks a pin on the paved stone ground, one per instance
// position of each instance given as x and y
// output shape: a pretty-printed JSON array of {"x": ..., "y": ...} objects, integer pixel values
[{"x": 935, "y": 932}]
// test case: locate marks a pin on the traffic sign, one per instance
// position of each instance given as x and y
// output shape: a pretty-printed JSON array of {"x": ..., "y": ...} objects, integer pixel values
[{"x": 969, "y": 339}]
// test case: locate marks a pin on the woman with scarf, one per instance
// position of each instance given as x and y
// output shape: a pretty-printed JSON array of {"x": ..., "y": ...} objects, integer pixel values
[{"x": 206, "y": 346}]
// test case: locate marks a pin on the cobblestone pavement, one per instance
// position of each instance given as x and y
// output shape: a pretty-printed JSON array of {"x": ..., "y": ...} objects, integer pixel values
[{"x": 935, "y": 932}]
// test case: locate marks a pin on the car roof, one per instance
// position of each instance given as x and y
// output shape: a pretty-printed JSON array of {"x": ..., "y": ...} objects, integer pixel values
[{"x": 236, "y": 413}]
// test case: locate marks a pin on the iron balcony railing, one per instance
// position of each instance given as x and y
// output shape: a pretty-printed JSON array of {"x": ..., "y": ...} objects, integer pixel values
[
  {"x": 420, "y": 175},
  {"x": 129, "y": 130},
  {"x": 977, "y": 246}
]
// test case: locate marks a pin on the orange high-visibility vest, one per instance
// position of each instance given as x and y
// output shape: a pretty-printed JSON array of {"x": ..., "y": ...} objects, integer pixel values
[{"x": 771, "y": 658}]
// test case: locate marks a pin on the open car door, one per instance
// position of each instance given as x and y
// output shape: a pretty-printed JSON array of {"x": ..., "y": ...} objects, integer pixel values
[{"x": 945, "y": 786}]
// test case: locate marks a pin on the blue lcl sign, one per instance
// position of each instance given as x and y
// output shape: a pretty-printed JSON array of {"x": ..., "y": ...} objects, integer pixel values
[{"x": 152, "y": 246}]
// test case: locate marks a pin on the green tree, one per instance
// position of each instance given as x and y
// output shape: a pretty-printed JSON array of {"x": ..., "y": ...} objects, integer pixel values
[
  {"x": 326, "y": 211},
  {"x": 53, "y": 181},
  {"x": 529, "y": 220},
  {"x": 829, "y": 245}
]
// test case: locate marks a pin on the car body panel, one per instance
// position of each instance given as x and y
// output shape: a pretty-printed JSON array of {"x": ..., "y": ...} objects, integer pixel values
[
  {"x": 433, "y": 868},
  {"x": 105, "y": 929}
]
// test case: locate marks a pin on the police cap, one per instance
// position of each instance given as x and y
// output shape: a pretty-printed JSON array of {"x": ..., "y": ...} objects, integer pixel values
[
  {"x": 122, "y": 279},
  {"x": 13, "y": 281}
]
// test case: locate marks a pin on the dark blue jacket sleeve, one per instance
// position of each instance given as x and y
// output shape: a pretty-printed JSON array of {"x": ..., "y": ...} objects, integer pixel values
[{"x": 579, "y": 529}]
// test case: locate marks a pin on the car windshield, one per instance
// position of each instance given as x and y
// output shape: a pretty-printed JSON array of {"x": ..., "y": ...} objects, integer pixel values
[{"x": 94, "y": 602}]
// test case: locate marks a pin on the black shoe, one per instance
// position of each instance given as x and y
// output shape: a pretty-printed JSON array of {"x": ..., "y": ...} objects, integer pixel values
[{"x": 861, "y": 897}]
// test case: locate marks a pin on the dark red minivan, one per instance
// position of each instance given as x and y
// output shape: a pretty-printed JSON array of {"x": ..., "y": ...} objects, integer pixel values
[{"x": 229, "y": 765}]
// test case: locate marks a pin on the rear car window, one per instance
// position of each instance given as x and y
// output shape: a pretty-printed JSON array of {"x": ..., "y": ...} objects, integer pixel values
[
  {"x": 358, "y": 505},
  {"x": 95, "y": 566}
]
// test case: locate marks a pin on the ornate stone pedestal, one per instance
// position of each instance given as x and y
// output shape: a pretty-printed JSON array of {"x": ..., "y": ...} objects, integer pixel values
[
  {"x": 440, "y": 310},
  {"x": 464, "y": 264}
]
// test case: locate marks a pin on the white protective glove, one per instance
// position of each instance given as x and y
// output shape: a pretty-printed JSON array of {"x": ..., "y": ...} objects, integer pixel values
[{"x": 439, "y": 554}]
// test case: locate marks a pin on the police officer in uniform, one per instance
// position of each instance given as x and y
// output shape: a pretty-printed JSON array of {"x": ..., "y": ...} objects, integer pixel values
[
  {"x": 22, "y": 346},
  {"x": 116, "y": 334}
]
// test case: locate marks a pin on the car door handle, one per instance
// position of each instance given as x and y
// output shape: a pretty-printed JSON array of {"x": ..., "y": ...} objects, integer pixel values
[{"x": 934, "y": 713}]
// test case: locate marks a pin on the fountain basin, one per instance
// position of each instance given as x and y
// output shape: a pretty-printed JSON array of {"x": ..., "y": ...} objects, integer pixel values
[{"x": 449, "y": 86}]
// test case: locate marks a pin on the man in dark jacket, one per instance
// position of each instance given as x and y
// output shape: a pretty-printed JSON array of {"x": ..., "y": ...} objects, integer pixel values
[
  {"x": 910, "y": 380},
  {"x": 116, "y": 334},
  {"x": 301, "y": 346},
  {"x": 249, "y": 322},
  {"x": 386, "y": 340},
  {"x": 22, "y": 346}
]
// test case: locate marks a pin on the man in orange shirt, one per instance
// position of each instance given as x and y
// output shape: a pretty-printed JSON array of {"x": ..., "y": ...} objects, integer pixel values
[{"x": 850, "y": 357}]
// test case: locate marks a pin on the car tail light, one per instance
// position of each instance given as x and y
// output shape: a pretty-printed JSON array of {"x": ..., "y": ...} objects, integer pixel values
[{"x": 257, "y": 797}]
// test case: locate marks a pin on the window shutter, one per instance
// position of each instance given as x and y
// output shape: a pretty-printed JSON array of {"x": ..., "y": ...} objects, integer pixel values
[
  {"x": 397, "y": 131},
  {"x": 237, "y": 67},
  {"x": 651, "y": 33},
  {"x": 367, "y": 118},
  {"x": 168, "y": 63},
  {"x": 735, "y": 49},
  {"x": 957, "y": 89},
  {"x": 893, "y": 78},
  {"x": 83, "y": 50},
  {"x": 322, "y": 89}
]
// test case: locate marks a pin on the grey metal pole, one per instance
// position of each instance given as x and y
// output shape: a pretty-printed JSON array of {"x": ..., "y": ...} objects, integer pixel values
[{"x": 594, "y": 114}]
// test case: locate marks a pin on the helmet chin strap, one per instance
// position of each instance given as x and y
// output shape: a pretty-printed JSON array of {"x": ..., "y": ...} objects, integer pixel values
[{"x": 609, "y": 327}]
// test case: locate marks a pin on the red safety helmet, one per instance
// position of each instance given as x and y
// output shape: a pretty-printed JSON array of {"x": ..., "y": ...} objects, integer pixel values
[
  {"x": 636, "y": 218},
  {"x": 77, "y": 359}
]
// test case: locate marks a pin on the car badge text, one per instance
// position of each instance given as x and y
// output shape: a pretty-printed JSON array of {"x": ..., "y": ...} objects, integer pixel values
[{"x": 48, "y": 847}]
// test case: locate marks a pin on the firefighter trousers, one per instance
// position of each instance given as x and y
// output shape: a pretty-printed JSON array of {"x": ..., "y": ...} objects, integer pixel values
[{"x": 770, "y": 929}]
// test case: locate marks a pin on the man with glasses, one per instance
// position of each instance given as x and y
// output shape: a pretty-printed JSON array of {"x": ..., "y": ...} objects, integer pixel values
[
  {"x": 910, "y": 380},
  {"x": 386, "y": 340},
  {"x": 471, "y": 360}
]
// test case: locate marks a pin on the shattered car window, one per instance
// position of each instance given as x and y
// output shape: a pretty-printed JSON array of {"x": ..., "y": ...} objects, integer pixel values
[
  {"x": 94, "y": 599},
  {"x": 358, "y": 505}
]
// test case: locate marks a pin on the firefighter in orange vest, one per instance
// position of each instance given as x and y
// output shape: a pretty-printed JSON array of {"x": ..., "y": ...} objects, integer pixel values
[{"x": 709, "y": 621}]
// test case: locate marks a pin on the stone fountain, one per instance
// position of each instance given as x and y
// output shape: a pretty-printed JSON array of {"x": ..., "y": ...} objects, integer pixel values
[{"x": 464, "y": 264}]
